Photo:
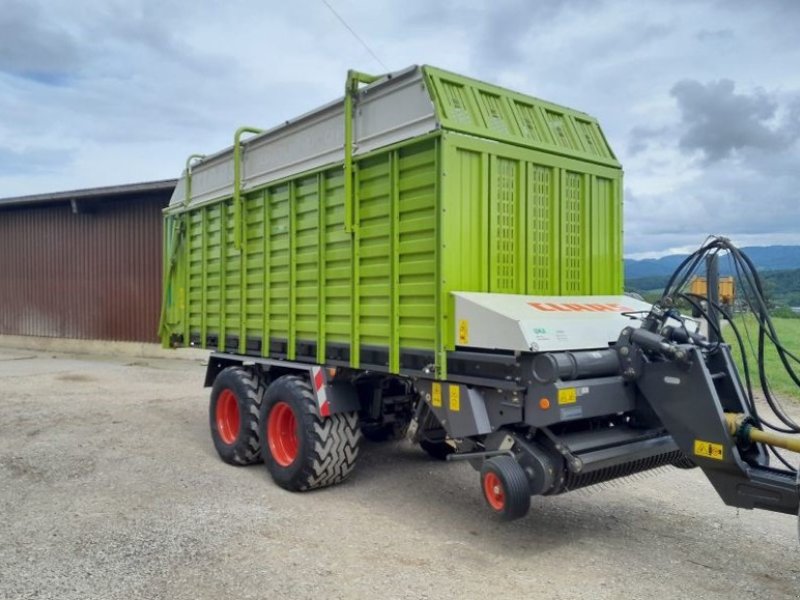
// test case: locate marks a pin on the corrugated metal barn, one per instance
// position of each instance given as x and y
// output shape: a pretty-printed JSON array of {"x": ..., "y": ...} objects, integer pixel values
[{"x": 84, "y": 264}]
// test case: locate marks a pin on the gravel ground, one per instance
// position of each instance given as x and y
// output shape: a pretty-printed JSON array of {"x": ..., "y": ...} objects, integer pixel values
[{"x": 110, "y": 488}]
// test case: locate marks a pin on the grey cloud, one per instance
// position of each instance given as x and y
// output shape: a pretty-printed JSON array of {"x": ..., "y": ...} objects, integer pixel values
[
  {"x": 34, "y": 48},
  {"x": 715, "y": 35},
  {"x": 640, "y": 137},
  {"x": 33, "y": 161},
  {"x": 718, "y": 122}
]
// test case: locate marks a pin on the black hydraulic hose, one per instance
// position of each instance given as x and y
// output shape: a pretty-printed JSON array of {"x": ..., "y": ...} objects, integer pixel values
[{"x": 753, "y": 292}]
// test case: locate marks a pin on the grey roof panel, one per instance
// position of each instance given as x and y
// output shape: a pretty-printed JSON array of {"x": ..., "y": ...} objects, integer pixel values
[
  {"x": 97, "y": 193},
  {"x": 394, "y": 108}
]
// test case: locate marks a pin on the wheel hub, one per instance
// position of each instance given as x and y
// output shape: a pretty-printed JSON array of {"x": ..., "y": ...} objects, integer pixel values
[
  {"x": 282, "y": 434},
  {"x": 493, "y": 489},
  {"x": 227, "y": 416}
]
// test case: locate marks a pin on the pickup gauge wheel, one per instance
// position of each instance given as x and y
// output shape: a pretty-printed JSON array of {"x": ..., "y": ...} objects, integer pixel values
[{"x": 505, "y": 488}]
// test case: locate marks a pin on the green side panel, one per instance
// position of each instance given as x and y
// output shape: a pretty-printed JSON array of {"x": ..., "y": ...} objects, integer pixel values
[
  {"x": 543, "y": 220},
  {"x": 300, "y": 279},
  {"x": 516, "y": 221},
  {"x": 606, "y": 236},
  {"x": 279, "y": 261},
  {"x": 415, "y": 234},
  {"x": 306, "y": 259},
  {"x": 480, "y": 109},
  {"x": 253, "y": 252},
  {"x": 194, "y": 240},
  {"x": 373, "y": 250},
  {"x": 214, "y": 290},
  {"x": 338, "y": 250},
  {"x": 506, "y": 230},
  {"x": 233, "y": 281},
  {"x": 574, "y": 241}
]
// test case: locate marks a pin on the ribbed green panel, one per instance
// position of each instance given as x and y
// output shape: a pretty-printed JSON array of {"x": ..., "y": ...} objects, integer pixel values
[
  {"x": 279, "y": 261},
  {"x": 542, "y": 224},
  {"x": 476, "y": 108},
  {"x": 543, "y": 230},
  {"x": 254, "y": 233},
  {"x": 573, "y": 239},
  {"x": 606, "y": 239},
  {"x": 306, "y": 258},
  {"x": 465, "y": 220},
  {"x": 591, "y": 138},
  {"x": 338, "y": 262},
  {"x": 416, "y": 246},
  {"x": 373, "y": 250},
  {"x": 195, "y": 272},
  {"x": 232, "y": 282},
  {"x": 505, "y": 229},
  {"x": 213, "y": 268}
]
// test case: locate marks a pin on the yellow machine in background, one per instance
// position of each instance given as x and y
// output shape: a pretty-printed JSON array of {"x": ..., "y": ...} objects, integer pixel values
[{"x": 727, "y": 289}]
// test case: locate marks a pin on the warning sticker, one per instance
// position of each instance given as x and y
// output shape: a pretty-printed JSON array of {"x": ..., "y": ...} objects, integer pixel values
[
  {"x": 463, "y": 331},
  {"x": 455, "y": 398},
  {"x": 567, "y": 396},
  {"x": 708, "y": 449},
  {"x": 436, "y": 395}
]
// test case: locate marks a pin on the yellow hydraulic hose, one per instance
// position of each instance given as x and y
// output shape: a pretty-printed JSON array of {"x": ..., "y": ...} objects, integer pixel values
[{"x": 739, "y": 427}]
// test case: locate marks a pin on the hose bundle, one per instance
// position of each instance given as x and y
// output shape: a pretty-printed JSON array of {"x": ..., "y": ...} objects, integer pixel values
[{"x": 752, "y": 290}]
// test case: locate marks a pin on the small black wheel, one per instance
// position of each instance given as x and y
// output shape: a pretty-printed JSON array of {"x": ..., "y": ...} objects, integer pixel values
[
  {"x": 301, "y": 449},
  {"x": 438, "y": 450},
  {"x": 505, "y": 487},
  {"x": 236, "y": 398}
]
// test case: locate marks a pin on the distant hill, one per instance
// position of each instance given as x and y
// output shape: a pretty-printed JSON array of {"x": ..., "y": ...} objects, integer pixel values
[
  {"x": 766, "y": 258},
  {"x": 782, "y": 286}
]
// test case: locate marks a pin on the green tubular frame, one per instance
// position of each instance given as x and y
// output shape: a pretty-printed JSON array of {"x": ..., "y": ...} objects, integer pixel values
[
  {"x": 189, "y": 163},
  {"x": 237, "y": 182},
  {"x": 350, "y": 91}
]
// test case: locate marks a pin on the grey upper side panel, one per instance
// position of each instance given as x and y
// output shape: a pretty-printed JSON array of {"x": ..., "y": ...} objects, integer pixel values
[{"x": 395, "y": 108}]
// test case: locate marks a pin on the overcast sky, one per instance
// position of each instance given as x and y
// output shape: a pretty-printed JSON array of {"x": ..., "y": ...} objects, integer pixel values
[{"x": 699, "y": 99}]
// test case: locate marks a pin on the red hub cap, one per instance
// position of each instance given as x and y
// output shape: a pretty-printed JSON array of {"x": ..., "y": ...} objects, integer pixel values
[
  {"x": 282, "y": 434},
  {"x": 493, "y": 490},
  {"x": 227, "y": 416}
]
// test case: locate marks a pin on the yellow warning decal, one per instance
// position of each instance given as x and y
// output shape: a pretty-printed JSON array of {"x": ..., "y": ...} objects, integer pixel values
[
  {"x": 455, "y": 398},
  {"x": 463, "y": 331},
  {"x": 708, "y": 449},
  {"x": 436, "y": 395},
  {"x": 567, "y": 396}
]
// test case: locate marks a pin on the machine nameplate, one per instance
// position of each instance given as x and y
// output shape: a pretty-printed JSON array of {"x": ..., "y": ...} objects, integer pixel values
[
  {"x": 708, "y": 450},
  {"x": 571, "y": 412}
]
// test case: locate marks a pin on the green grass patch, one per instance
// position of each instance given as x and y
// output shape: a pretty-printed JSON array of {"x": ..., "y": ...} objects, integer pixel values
[{"x": 789, "y": 335}]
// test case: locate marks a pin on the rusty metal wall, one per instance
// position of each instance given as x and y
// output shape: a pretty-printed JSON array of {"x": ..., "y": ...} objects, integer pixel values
[{"x": 91, "y": 275}]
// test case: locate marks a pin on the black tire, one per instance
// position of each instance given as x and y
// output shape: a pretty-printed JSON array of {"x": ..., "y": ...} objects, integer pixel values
[
  {"x": 236, "y": 390},
  {"x": 505, "y": 488},
  {"x": 324, "y": 449},
  {"x": 437, "y": 450}
]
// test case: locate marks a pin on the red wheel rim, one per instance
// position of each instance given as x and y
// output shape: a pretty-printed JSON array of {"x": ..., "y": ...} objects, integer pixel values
[
  {"x": 493, "y": 490},
  {"x": 227, "y": 416},
  {"x": 282, "y": 434}
]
